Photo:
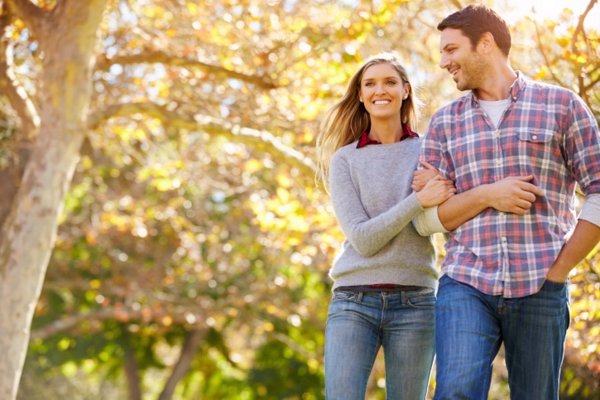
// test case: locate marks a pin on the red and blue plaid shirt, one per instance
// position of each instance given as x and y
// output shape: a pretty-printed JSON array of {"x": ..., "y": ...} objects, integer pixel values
[{"x": 548, "y": 132}]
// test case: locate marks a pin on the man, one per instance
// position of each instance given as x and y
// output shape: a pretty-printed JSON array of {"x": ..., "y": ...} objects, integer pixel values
[{"x": 505, "y": 271}]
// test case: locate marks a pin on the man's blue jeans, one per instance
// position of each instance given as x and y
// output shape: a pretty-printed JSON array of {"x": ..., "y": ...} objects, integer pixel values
[
  {"x": 360, "y": 323},
  {"x": 471, "y": 327}
]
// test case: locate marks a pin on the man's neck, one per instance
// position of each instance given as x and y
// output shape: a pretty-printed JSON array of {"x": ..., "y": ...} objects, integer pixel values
[{"x": 497, "y": 83}]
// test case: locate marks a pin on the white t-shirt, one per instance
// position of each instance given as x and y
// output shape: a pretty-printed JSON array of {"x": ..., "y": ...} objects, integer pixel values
[{"x": 494, "y": 109}]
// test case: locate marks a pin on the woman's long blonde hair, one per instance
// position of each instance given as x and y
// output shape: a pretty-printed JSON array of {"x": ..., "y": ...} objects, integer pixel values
[{"x": 347, "y": 119}]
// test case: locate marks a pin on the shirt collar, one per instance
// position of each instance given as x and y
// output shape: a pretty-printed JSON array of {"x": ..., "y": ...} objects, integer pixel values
[
  {"x": 516, "y": 89},
  {"x": 364, "y": 139}
]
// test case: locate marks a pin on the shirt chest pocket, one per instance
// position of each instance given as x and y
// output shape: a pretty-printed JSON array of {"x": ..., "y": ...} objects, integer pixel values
[
  {"x": 537, "y": 143},
  {"x": 536, "y": 136}
]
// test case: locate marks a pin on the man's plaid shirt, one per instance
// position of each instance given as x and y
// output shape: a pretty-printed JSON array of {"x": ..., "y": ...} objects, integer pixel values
[{"x": 547, "y": 132}]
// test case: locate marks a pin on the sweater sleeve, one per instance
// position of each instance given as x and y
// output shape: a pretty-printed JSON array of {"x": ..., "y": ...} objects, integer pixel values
[
  {"x": 428, "y": 222},
  {"x": 366, "y": 235}
]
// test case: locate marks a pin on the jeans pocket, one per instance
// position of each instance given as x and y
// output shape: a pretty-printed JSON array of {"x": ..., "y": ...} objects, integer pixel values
[
  {"x": 422, "y": 299},
  {"x": 445, "y": 280},
  {"x": 339, "y": 295},
  {"x": 551, "y": 301},
  {"x": 551, "y": 286}
]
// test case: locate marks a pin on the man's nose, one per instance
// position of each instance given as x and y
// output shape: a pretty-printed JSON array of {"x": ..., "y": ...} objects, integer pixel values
[{"x": 443, "y": 62}]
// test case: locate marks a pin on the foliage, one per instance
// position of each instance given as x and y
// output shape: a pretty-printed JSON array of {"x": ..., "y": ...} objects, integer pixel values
[{"x": 194, "y": 225}]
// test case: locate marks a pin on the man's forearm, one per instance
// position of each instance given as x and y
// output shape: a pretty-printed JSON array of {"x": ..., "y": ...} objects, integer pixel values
[
  {"x": 512, "y": 195},
  {"x": 585, "y": 237},
  {"x": 462, "y": 207}
]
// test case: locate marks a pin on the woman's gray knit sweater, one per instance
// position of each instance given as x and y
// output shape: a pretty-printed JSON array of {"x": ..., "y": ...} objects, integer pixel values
[{"x": 374, "y": 204}]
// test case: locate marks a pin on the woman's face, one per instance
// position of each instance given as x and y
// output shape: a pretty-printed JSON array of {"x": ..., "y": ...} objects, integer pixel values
[{"x": 382, "y": 91}]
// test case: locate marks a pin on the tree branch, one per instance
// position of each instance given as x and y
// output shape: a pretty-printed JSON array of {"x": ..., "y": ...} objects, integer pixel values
[
  {"x": 456, "y": 4},
  {"x": 545, "y": 56},
  {"x": 579, "y": 29},
  {"x": 188, "y": 351},
  {"x": 236, "y": 132},
  {"x": 582, "y": 92},
  {"x": 592, "y": 83},
  {"x": 131, "y": 367},
  {"x": 16, "y": 94},
  {"x": 206, "y": 123},
  {"x": 118, "y": 313},
  {"x": 17, "y": 143},
  {"x": 154, "y": 56},
  {"x": 32, "y": 15},
  {"x": 70, "y": 321}
]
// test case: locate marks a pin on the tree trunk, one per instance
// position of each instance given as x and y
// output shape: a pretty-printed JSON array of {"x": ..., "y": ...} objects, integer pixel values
[
  {"x": 29, "y": 231},
  {"x": 187, "y": 354},
  {"x": 131, "y": 367}
]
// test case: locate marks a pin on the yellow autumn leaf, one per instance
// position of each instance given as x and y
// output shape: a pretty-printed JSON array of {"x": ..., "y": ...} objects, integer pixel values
[
  {"x": 309, "y": 111},
  {"x": 69, "y": 369},
  {"x": 95, "y": 283},
  {"x": 563, "y": 41},
  {"x": 163, "y": 88},
  {"x": 139, "y": 134},
  {"x": 192, "y": 8},
  {"x": 284, "y": 181},
  {"x": 154, "y": 12},
  {"x": 122, "y": 132},
  {"x": 283, "y": 194},
  {"x": 252, "y": 166}
]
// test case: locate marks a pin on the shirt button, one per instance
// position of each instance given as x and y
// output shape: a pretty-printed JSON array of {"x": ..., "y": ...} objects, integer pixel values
[
  {"x": 534, "y": 137},
  {"x": 498, "y": 162},
  {"x": 497, "y": 133}
]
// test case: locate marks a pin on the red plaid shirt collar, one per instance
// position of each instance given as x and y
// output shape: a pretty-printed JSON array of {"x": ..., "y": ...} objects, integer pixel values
[{"x": 364, "y": 139}]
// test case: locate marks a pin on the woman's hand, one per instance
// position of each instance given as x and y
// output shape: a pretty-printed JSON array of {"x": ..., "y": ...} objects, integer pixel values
[
  {"x": 422, "y": 176},
  {"x": 435, "y": 192}
]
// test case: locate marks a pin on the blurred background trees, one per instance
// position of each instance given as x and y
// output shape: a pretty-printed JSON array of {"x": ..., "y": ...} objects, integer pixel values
[{"x": 193, "y": 247}]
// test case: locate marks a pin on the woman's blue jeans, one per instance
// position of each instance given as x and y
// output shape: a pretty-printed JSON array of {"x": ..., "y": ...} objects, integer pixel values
[
  {"x": 358, "y": 324},
  {"x": 471, "y": 326}
]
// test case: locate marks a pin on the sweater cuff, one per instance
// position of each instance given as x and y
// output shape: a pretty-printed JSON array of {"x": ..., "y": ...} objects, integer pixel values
[
  {"x": 428, "y": 222},
  {"x": 591, "y": 209}
]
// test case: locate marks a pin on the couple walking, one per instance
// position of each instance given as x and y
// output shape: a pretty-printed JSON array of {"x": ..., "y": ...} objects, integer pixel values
[{"x": 497, "y": 171}]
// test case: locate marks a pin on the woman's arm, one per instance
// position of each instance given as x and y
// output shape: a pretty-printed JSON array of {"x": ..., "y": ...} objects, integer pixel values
[{"x": 369, "y": 235}]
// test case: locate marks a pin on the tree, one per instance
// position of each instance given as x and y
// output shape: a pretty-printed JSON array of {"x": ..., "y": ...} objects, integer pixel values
[
  {"x": 52, "y": 117},
  {"x": 193, "y": 247},
  {"x": 145, "y": 248}
]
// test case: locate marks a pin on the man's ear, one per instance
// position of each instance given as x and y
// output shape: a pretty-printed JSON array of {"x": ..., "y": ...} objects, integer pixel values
[{"x": 486, "y": 43}]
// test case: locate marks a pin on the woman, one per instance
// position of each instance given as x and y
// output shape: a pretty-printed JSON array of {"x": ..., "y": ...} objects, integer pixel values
[{"x": 385, "y": 276}]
